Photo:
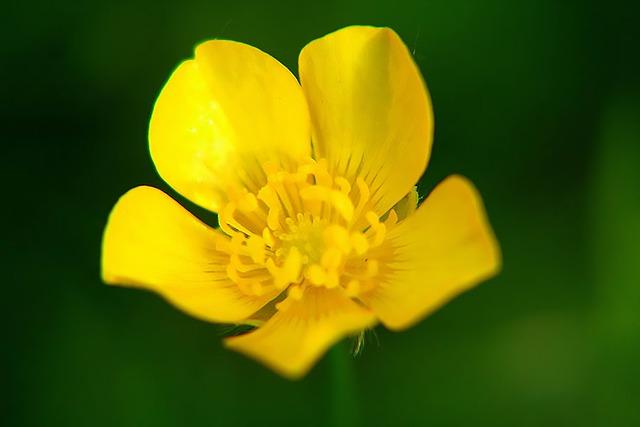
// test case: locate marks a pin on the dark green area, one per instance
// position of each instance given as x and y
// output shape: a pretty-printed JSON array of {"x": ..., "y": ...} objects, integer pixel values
[{"x": 536, "y": 101}]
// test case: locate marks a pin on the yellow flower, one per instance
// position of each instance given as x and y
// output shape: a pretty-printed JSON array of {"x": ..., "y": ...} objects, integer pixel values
[{"x": 313, "y": 183}]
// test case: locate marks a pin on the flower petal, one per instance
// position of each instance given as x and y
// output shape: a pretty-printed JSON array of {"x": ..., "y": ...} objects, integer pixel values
[
  {"x": 293, "y": 339},
  {"x": 221, "y": 116},
  {"x": 444, "y": 248},
  {"x": 152, "y": 242},
  {"x": 370, "y": 111}
]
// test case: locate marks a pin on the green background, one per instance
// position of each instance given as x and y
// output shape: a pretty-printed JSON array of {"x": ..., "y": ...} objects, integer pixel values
[{"x": 537, "y": 102}]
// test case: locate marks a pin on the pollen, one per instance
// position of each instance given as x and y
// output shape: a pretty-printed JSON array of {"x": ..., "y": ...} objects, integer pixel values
[{"x": 303, "y": 228}]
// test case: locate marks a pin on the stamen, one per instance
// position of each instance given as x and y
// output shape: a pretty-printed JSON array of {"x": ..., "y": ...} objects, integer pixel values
[
  {"x": 359, "y": 242},
  {"x": 378, "y": 228},
  {"x": 353, "y": 288},
  {"x": 302, "y": 228},
  {"x": 315, "y": 274},
  {"x": 363, "y": 197},
  {"x": 255, "y": 246}
]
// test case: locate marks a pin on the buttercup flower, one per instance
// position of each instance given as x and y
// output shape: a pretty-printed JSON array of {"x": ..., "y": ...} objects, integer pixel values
[{"x": 313, "y": 183}]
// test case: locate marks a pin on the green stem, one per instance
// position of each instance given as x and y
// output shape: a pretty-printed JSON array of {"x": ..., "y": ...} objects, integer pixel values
[{"x": 343, "y": 394}]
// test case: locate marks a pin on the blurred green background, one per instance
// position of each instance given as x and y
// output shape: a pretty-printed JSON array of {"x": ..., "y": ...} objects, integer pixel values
[{"x": 536, "y": 101}]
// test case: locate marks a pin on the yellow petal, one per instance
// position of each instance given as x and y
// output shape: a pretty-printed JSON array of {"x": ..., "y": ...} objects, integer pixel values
[
  {"x": 152, "y": 242},
  {"x": 446, "y": 247},
  {"x": 221, "y": 116},
  {"x": 293, "y": 339},
  {"x": 370, "y": 110}
]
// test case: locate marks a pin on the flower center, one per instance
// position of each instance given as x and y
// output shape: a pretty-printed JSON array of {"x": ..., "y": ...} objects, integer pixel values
[
  {"x": 303, "y": 228},
  {"x": 303, "y": 234}
]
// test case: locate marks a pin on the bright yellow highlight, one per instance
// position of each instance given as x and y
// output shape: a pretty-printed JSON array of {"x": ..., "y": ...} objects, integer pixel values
[
  {"x": 319, "y": 236},
  {"x": 229, "y": 107}
]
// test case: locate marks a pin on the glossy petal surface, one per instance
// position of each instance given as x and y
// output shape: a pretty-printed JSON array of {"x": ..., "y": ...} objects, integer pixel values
[
  {"x": 293, "y": 339},
  {"x": 221, "y": 117},
  {"x": 152, "y": 242},
  {"x": 444, "y": 248},
  {"x": 370, "y": 110}
]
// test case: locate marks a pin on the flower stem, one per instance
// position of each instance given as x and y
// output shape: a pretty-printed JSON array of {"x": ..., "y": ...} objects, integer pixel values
[{"x": 343, "y": 394}]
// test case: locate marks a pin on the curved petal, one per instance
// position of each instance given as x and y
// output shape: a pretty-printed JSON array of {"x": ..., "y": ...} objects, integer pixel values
[
  {"x": 293, "y": 339},
  {"x": 446, "y": 247},
  {"x": 221, "y": 116},
  {"x": 370, "y": 109},
  {"x": 152, "y": 242}
]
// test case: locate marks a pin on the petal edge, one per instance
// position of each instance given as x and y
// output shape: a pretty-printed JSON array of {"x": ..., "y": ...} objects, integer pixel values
[
  {"x": 445, "y": 248},
  {"x": 370, "y": 109},
  {"x": 152, "y": 242},
  {"x": 292, "y": 340},
  {"x": 221, "y": 116}
]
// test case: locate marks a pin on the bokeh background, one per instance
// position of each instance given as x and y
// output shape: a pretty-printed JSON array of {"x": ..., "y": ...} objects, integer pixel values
[{"x": 536, "y": 101}]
